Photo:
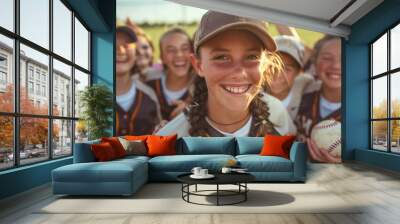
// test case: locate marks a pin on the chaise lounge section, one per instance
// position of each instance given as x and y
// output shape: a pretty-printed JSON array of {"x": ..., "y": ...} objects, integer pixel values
[{"x": 88, "y": 177}]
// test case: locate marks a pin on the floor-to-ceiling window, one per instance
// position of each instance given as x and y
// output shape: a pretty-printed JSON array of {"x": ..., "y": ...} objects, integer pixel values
[
  {"x": 44, "y": 64},
  {"x": 385, "y": 91}
]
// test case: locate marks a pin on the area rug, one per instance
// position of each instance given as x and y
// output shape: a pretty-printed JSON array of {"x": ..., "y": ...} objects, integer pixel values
[{"x": 166, "y": 198}]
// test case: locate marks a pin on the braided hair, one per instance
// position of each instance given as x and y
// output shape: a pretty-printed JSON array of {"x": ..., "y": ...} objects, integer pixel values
[{"x": 270, "y": 65}]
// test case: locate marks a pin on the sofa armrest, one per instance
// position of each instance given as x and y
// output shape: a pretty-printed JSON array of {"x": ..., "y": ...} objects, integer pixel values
[
  {"x": 298, "y": 155},
  {"x": 83, "y": 152}
]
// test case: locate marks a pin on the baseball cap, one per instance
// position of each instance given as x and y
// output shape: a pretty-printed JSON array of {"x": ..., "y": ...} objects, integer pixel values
[
  {"x": 127, "y": 30},
  {"x": 213, "y": 23},
  {"x": 291, "y": 46}
]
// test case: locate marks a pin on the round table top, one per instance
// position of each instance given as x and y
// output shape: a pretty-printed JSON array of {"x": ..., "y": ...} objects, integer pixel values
[{"x": 220, "y": 178}]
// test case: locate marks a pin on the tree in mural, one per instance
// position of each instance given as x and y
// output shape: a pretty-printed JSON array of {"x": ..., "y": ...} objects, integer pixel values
[{"x": 33, "y": 131}]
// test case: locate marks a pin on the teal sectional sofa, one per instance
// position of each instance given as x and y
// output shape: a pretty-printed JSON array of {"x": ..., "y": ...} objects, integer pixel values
[{"x": 125, "y": 176}]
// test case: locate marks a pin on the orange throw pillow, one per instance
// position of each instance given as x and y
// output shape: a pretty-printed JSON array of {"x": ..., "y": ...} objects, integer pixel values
[
  {"x": 116, "y": 145},
  {"x": 275, "y": 145},
  {"x": 161, "y": 145},
  {"x": 103, "y": 152}
]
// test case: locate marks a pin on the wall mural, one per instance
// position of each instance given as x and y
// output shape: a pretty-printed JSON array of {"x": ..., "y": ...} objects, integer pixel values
[{"x": 185, "y": 70}]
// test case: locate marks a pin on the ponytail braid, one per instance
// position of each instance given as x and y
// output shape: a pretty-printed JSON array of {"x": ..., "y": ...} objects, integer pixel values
[
  {"x": 198, "y": 109},
  {"x": 260, "y": 113}
]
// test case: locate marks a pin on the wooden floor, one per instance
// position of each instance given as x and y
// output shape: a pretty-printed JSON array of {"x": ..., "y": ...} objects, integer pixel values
[{"x": 378, "y": 189}]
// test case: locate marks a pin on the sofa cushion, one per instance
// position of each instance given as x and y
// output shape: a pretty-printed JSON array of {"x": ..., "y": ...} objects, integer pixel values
[
  {"x": 111, "y": 171},
  {"x": 249, "y": 145},
  {"x": 185, "y": 163},
  {"x": 257, "y": 163},
  {"x": 206, "y": 145}
]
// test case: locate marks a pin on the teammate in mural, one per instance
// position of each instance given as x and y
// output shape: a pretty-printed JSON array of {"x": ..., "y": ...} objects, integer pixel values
[
  {"x": 145, "y": 55},
  {"x": 290, "y": 84},
  {"x": 228, "y": 99},
  {"x": 145, "y": 67},
  {"x": 172, "y": 87},
  {"x": 325, "y": 103},
  {"x": 137, "y": 107}
]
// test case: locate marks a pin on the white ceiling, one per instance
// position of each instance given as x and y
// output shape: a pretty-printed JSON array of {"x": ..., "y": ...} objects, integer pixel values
[
  {"x": 317, "y": 15},
  {"x": 320, "y": 9}
]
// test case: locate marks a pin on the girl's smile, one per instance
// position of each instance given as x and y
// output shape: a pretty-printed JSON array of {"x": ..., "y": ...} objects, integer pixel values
[{"x": 237, "y": 88}]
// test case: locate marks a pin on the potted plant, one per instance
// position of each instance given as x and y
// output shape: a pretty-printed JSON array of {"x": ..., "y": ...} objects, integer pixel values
[{"x": 96, "y": 104}]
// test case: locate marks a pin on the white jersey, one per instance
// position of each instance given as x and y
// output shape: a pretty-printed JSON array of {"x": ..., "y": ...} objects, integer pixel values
[
  {"x": 278, "y": 116},
  {"x": 302, "y": 83}
]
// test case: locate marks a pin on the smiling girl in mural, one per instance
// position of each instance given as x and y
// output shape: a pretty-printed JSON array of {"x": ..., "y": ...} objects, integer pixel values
[
  {"x": 228, "y": 98},
  {"x": 144, "y": 67},
  {"x": 323, "y": 104},
  {"x": 292, "y": 82},
  {"x": 137, "y": 106},
  {"x": 172, "y": 88}
]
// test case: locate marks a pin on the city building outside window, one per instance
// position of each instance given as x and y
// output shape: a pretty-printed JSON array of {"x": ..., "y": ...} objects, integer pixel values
[
  {"x": 43, "y": 90},
  {"x": 37, "y": 74},
  {"x": 38, "y": 89},
  {"x": 3, "y": 72},
  {"x": 3, "y": 61},
  {"x": 30, "y": 87},
  {"x": 44, "y": 77},
  {"x": 3, "y": 79},
  {"x": 30, "y": 72}
]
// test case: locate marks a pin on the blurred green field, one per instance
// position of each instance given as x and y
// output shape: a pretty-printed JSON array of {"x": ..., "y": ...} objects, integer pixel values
[{"x": 308, "y": 37}]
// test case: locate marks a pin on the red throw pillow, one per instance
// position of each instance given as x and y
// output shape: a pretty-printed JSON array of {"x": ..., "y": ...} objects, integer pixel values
[
  {"x": 103, "y": 152},
  {"x": 275, "y": 145},
  {"x": 161, "y": 145},
  {"x": 116, "y": 145}
]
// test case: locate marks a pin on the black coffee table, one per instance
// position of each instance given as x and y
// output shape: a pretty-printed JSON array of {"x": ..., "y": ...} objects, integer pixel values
[{"x": 238, "y": 179}]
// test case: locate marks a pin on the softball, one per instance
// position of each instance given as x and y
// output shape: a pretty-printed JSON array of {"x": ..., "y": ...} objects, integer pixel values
[{"x": 327, "y": 135}]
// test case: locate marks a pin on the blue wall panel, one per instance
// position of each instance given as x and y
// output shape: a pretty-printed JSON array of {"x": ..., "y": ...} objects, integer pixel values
[
  {"x": 103, "y": 50},
  {"x": 102, "y": 58},
  {"x": 103, "y": 62},
  {"x": 356, "y": 113}
]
